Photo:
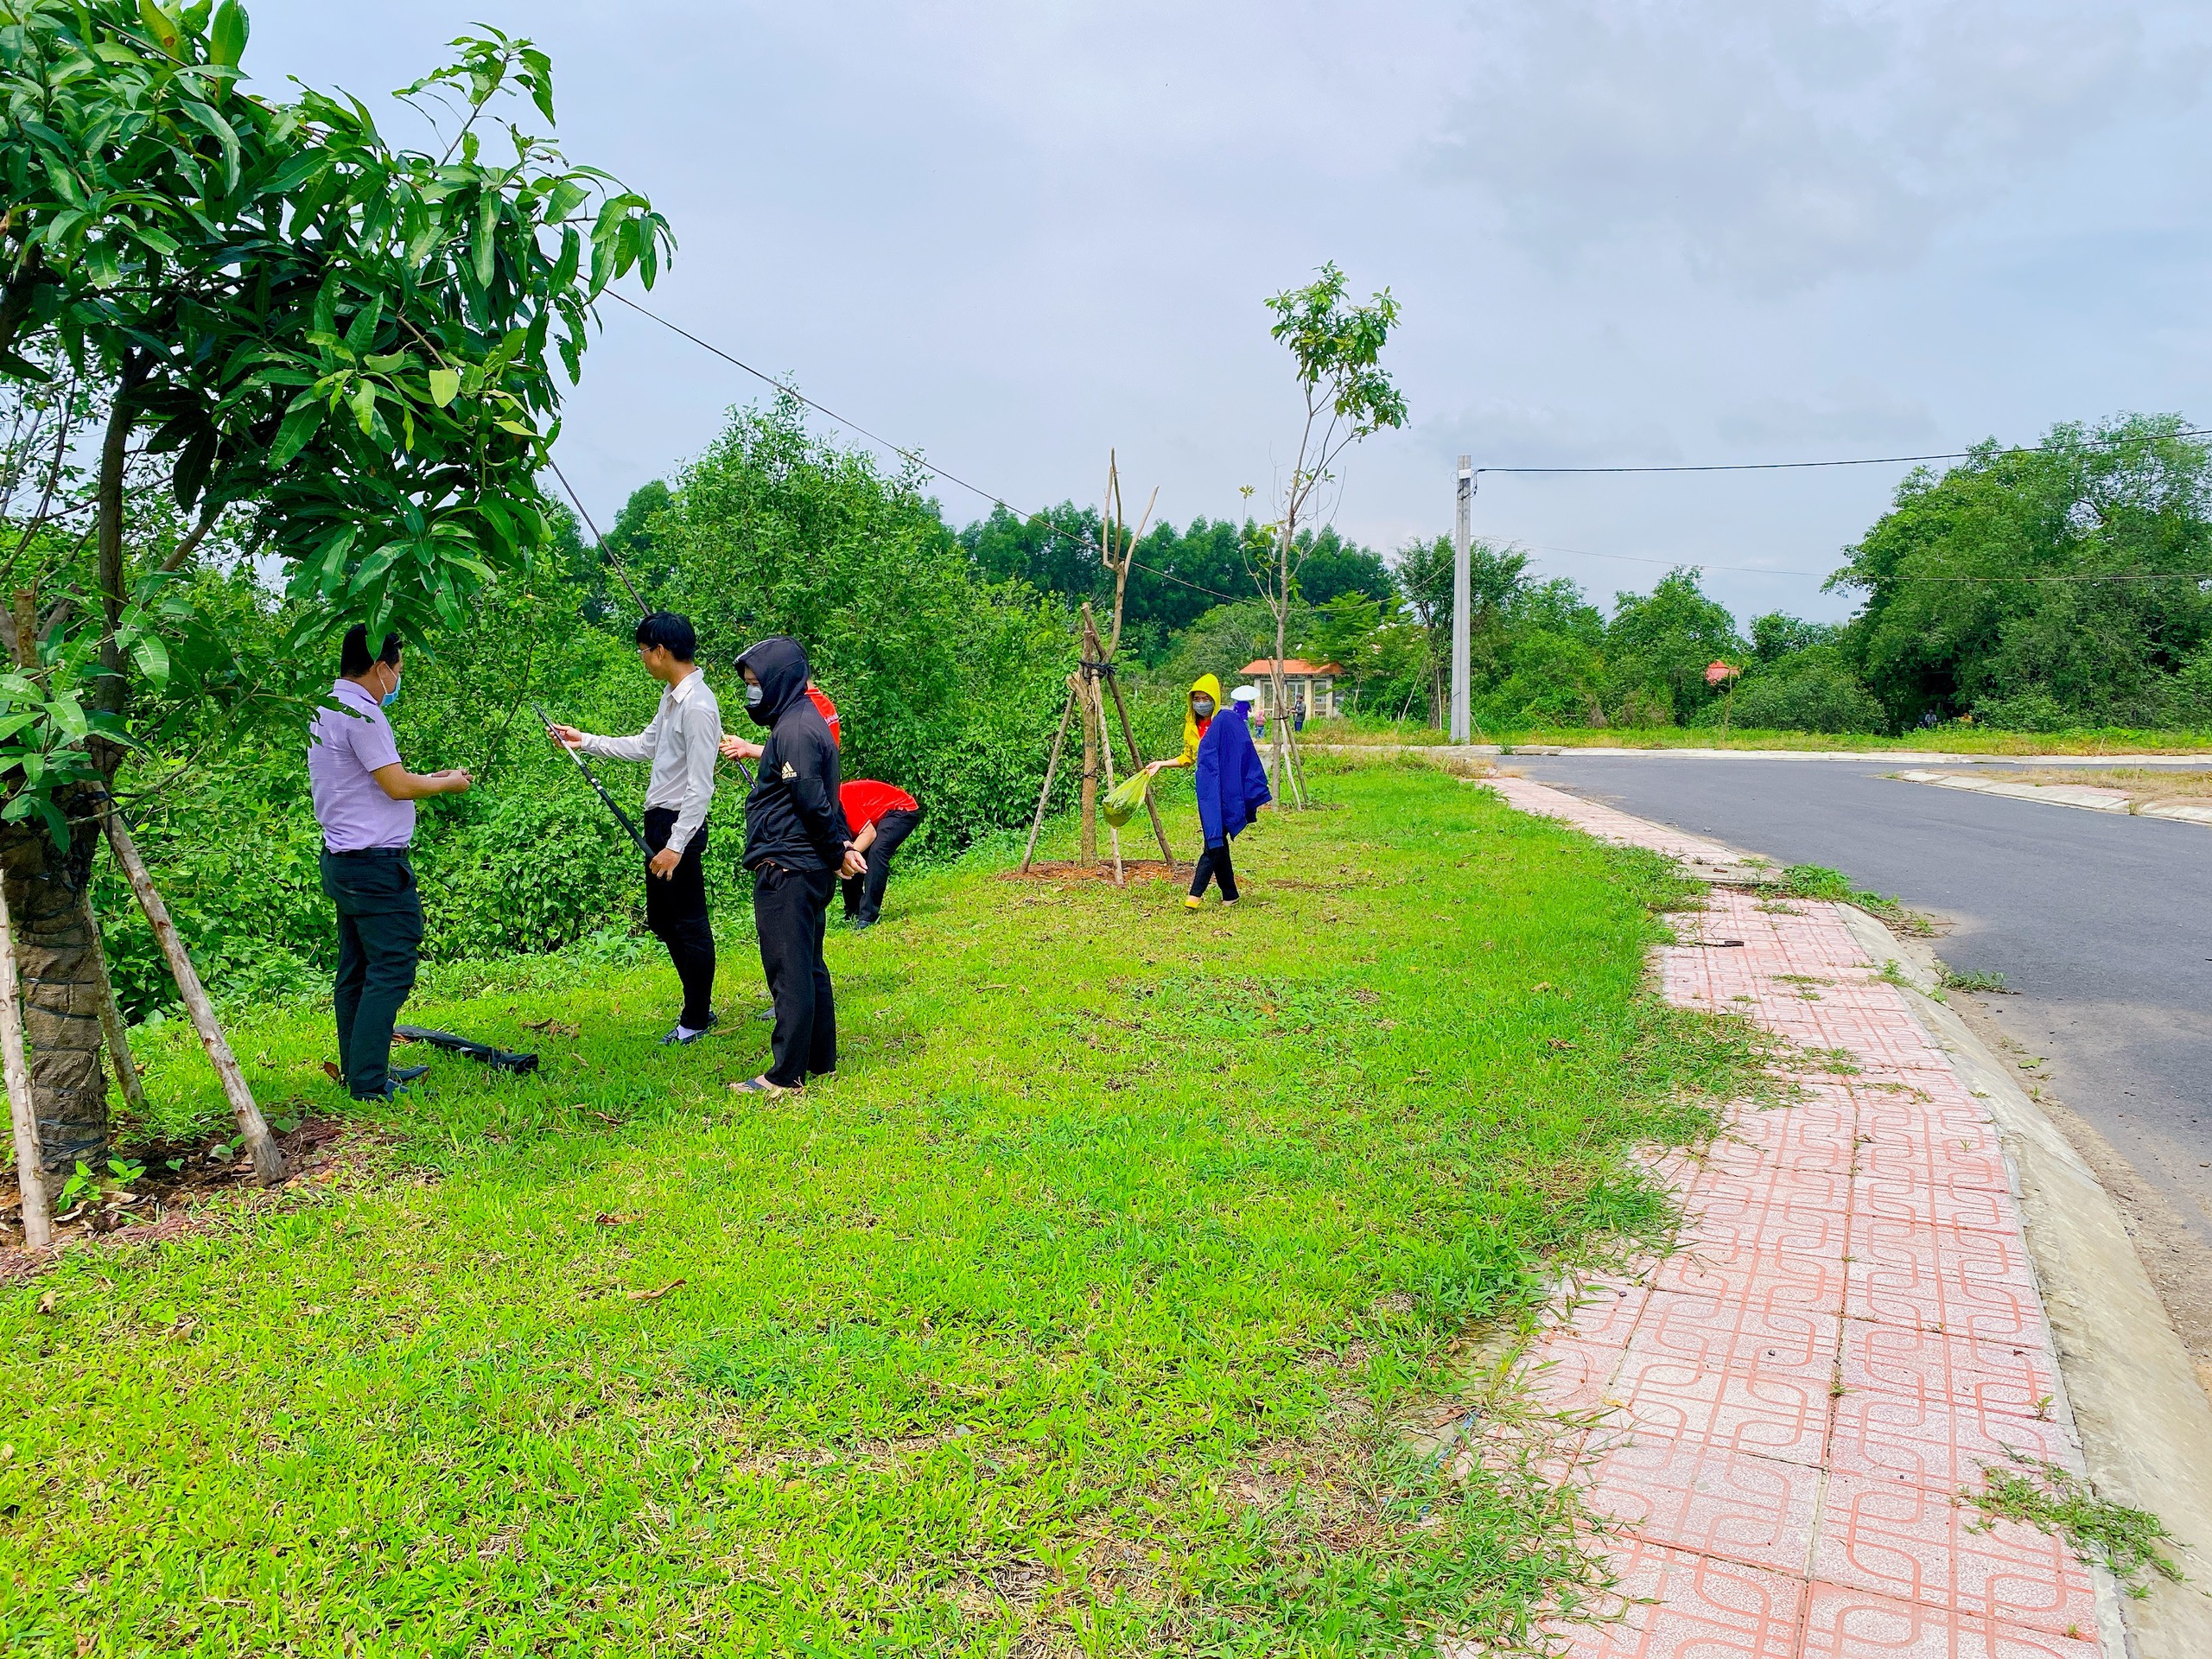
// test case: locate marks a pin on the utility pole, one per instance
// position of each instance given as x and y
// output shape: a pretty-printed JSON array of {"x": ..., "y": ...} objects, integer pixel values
[{"x": 1462, "y": 600}]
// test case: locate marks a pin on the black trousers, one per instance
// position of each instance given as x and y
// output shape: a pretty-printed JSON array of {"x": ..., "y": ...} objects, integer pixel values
[
  {"x": 864, "y": 893},
  {"x": 1213, "y": 865},
  {"x": 380, "y": 941},
  {"x": 675, "y": 913},
  {"x": 790, "y": 909}
]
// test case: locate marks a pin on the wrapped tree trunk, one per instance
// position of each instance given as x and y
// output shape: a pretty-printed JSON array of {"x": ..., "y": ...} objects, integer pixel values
[{"x": 60, "y": 984}]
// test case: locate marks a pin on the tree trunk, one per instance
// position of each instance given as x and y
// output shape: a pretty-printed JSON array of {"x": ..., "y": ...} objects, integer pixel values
[
  {"x": 60, "y": 983},
  {"x": 1087, "y": 841},
  {"x": 1278, "y": 687}
]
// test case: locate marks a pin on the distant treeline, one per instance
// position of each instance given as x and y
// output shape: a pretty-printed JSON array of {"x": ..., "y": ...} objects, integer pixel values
[{"x": 2068, "y": 585}]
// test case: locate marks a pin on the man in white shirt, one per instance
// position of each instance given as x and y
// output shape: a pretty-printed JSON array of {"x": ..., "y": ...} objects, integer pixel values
[{"x": 682, "y": 740}]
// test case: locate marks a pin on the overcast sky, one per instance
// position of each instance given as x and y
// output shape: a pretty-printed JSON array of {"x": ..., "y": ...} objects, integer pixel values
[{"x": 1012, "y": 232}]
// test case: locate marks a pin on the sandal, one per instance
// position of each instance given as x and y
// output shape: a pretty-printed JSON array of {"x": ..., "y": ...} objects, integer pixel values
[{"x": 759, "y": 1085}]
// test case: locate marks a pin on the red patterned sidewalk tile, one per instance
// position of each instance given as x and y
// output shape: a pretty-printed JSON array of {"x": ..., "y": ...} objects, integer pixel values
[
  {"x": 1910, "y": 1544},
  {"x": 1917, "y": 1282},
  {"x": 1934, "y": 1445},
  {"x": 1938, "y": 1203},
  {"x": 1759, "y": 1274},
  {"x": 1717, "y": 1332},
  {"x": 1764, "y": 1409},
  {"x": 1693, "y": 1496},
  {"x": 1750, "y": 1185},
  {"x": 1791, "y": 1231},
  {"x": 1793, "y": 1138},
  {"x": 1565, "y": 1374},
  {"x": 1682, "y": 1606},
  {"x": 2004, "y": 1379},
  {"x": 1920, "y": 1161},
  {"x": 1601, "y": 1312},
  {"x": 1845, "y": 1623},
  {"x": 1977, "y": 1254}
]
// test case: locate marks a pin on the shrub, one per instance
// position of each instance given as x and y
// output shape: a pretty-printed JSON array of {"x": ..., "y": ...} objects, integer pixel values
[{"x": 1815, "y": 696}]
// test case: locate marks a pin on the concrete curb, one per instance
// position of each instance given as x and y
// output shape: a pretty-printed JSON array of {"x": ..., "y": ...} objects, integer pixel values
[
  {"x": 2076, "y": 796},
  {"x": 1900, "y": 757},
  {"x": 2145, "y": 1424}
]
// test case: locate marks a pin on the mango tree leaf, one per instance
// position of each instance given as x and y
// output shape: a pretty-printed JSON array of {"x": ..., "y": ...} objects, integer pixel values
[
  {"x": 152, "y": 658},
  {"x": 292, "y": 436},
  {"x": 226, "y": 41}
]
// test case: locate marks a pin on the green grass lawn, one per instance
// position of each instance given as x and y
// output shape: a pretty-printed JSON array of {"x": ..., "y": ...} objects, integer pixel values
[{"x": 1081, "y": 1312}]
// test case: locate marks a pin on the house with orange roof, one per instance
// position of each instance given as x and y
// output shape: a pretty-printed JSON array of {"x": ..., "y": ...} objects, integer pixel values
[{"x": 1308, "y": 688}]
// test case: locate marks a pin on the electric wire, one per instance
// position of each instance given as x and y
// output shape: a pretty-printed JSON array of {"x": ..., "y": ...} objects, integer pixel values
[
  {"x": 915, "y": 456},
  {"x": 1801, "y": 465},
  {"x": 919, "y": 461}
]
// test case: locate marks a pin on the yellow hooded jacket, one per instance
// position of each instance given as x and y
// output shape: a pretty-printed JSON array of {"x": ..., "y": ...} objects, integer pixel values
[{"x": 1209, "y": 686}]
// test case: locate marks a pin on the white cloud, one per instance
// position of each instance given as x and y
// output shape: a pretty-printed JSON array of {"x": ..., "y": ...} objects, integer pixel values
[{"x": 1772, "y": 146}]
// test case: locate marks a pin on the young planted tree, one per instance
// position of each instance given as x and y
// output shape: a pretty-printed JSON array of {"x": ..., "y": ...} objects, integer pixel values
[
  {"x": 341, "y": 350},
  {"x": 1347, "y": 397}
]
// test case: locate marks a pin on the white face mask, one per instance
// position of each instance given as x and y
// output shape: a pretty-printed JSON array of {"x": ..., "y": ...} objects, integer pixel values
[{"x": 753, "y": 695}]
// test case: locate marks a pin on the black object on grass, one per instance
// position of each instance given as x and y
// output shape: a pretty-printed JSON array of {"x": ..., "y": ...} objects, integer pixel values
[{"x": 520, "y": 1064}]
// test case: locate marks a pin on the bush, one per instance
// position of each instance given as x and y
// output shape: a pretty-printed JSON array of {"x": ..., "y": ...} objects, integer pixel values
[
  {"x": 538, "y": 871},
  {"x": 1796, "y": 695}
]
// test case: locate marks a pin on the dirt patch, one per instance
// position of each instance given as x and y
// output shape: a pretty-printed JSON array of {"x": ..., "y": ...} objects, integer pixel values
[
  {"x": 2180, "y": 1265},
  {"x": 2143, "y": 785},
  {"x": 182, "y": 1188},
  {"x": 1069, "y": 869}
]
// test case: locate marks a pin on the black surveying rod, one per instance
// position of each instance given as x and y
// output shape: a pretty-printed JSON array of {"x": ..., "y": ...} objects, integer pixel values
[{"x": 592, "y": 778}]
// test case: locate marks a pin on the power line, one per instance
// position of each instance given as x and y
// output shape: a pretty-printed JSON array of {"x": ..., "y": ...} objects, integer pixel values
[
  {"x": 1769, "y": 570},
  {"x": 904, "y": 454},
  {"x": 1856, "y": 460},
  {"x": 919, "y": 459}
]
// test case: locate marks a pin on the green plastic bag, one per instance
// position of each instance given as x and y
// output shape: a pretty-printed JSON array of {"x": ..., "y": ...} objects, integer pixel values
[{"x": 1123, "y": 800}]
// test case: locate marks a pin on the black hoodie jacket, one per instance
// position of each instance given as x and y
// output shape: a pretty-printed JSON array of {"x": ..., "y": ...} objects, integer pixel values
[{"x": 792, "y": 817}]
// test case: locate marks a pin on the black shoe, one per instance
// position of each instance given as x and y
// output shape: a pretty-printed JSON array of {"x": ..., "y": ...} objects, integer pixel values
[
  {"x": 857, "y": 922},
  {"x": 681, "y": 1034}
]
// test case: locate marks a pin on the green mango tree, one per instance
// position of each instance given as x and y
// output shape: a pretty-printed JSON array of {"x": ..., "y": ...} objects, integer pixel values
[{"x": 345, "y": 354}]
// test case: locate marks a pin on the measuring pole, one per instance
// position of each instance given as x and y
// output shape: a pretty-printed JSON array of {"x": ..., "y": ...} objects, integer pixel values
[
  {"x": 1462, "y": 600},
  {"x": 597, "y": 788}
]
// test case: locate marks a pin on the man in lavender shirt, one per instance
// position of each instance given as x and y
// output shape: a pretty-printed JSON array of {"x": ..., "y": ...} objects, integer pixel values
[{"x": 364, "y": 801}]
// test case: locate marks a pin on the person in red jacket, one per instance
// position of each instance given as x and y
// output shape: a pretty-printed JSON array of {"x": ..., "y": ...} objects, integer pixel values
[
  {"x": 820, "y": 699},
  {"x": 881, "y": 816}
]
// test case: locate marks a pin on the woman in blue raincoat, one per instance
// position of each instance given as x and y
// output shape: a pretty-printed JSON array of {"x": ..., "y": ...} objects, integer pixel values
[{"x": 1232, "y": 787}]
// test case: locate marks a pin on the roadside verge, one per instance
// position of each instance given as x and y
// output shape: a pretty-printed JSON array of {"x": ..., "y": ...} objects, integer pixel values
[
  {"x": 1921, "y": 1212},
  {"x": 2146, "y": 1425}
]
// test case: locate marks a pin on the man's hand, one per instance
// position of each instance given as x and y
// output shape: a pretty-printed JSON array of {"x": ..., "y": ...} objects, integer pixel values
[
  {"x": 855, "y": 863},
  {"x": 665, "y": 862},
  {"x": 454, "y": 780},
  {"x": 567, "y": 737},
  {"x": 736, "y": 748}
]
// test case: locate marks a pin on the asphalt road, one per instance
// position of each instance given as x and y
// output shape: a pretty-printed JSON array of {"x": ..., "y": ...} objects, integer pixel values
[{"x": 2102, "y": 923}]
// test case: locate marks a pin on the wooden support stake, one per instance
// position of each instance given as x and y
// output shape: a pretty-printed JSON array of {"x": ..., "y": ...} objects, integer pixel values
[
  {"x": 1136, "y": 760},
  {"x": 1106, "y": 753},
  {"x": 268, "y": 1160},
  {"x": 23, "y": 1112},
  {"x": 111, "y": 1026},
  {"x": 1051, "y": 766},
  {"x": 1086, "y": 846}
]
